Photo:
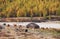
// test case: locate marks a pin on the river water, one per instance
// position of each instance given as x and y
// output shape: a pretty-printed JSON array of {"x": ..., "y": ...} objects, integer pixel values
[{"x": 49, "y": 24}]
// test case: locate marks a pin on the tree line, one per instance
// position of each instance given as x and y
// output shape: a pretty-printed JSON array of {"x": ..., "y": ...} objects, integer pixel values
[{"x": 29, "y": 8}]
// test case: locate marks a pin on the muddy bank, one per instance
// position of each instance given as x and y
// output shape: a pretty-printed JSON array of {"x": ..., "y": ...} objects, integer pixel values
[
  {"x": 21, "y": 19},
  {"x": 28, "y": 19}
]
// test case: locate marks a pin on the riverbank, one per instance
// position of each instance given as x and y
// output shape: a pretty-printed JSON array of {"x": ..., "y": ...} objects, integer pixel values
[
  {"x": 29, "y": 19},
  {"x": 18, "y": 30}
]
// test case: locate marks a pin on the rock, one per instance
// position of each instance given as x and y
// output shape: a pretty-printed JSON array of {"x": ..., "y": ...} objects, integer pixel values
[
  {"x": 33, "y": 25},
  {"x": 4, "y": 24}
]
